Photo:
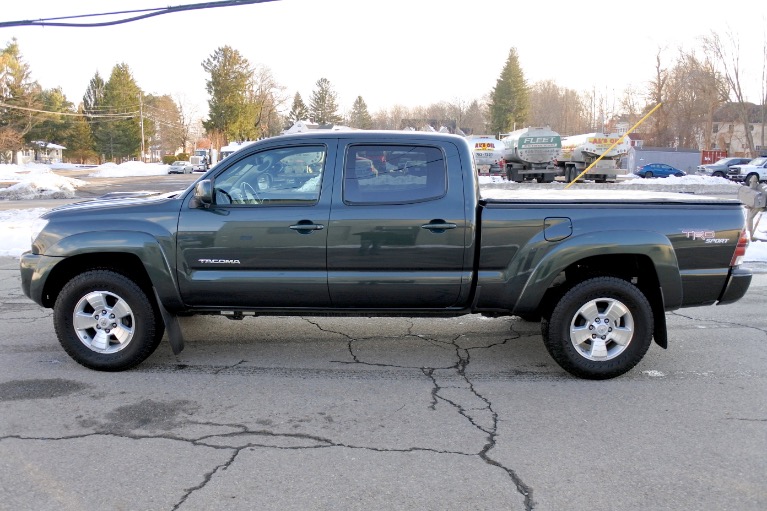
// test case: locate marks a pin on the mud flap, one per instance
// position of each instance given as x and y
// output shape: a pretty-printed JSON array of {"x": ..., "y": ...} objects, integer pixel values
[
  {"x": 172, "y": 326},
  {"x": 660, "y": 332}
]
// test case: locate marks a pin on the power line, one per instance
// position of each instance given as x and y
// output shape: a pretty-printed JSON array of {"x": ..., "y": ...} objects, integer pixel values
[
  {"x": 121, "y": 115},
  {"x": 146, "y": 13}
]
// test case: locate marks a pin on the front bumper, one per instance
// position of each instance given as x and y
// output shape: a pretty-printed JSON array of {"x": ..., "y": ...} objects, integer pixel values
[
  {"x": 34, "y": 270},
  {"x": 736, "y": 286}
]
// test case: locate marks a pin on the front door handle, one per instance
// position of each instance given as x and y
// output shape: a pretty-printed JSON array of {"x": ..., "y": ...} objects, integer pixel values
[{"x": 306, "y": 228}]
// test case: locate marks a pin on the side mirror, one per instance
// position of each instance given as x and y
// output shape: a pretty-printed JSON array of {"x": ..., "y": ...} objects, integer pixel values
[{"x": 203, "y": 194}]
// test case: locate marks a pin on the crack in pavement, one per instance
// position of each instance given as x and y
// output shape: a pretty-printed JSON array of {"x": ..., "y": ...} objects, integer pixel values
[
  {"x": 480, "y": 415},
  {"x": 718, "y": 322},
  {"x": 471, "y": 414}
]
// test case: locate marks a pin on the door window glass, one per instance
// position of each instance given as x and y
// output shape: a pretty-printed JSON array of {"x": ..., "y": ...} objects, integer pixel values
[
  {"x": 386, "y": 174},
  {"x": 278, "y": 176}
]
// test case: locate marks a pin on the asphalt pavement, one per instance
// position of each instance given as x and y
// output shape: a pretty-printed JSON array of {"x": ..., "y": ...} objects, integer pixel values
[{"x": 297, "y": 413}]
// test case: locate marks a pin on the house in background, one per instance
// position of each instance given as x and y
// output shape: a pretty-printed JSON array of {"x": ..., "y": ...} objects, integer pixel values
[
  {"x": 729, "y": 134},
  {"x": 41, "y": 152}
]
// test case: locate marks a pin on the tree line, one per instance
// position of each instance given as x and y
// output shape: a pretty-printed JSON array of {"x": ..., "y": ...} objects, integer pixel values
[{"x": 116, "y": 119}]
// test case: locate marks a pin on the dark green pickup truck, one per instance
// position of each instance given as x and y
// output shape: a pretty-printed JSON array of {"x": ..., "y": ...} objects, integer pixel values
[{"x": 381, "y": 223}]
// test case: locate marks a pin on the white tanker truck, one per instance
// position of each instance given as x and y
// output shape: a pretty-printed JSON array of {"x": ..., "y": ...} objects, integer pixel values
[
  {"x": 529, "y": 154},
  {"x": 488, "y": 152},
  {"x": 580, "y": 151}
]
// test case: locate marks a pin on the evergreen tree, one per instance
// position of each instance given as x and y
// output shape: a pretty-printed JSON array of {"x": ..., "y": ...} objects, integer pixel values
[
  {"x": 509, "y": 98},
  {"x": 94, "y": 107},
  {"x": 17, "y": 89},
  {"x": 52, "y": 128},
  {"x": 323, "y": 107},
  {"x": 230, "y": 86},
  {"x": 298, "y": 112},
  {"x": 122, "y": 98},
  {"x": 360, "y": 117},
  {"x": 79, "y": 142}
]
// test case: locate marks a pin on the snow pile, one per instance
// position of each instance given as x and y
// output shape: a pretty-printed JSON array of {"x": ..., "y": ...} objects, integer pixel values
[
  {"x": 36, "y": 181},
  {"x": 129, "y": 169}
]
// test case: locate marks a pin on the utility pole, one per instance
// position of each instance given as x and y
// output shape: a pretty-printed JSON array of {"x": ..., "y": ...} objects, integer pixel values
[{"x": 141, "y": 121}]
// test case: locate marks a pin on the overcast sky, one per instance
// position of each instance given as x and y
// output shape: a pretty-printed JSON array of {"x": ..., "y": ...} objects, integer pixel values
[{"x": 406, "y": 52}]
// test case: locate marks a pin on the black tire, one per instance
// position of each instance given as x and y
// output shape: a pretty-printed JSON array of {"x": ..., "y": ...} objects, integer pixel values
[
  {"x": 752, "y": 178},
  {"x": 648, "y": 175},
  {"x": 568, "y": 336},
  {"x": 718, "y": 174},
  {"x": 125, "y": 336}
]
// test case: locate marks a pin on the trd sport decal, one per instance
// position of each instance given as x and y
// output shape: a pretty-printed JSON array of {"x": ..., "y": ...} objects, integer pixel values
[{"x": 705, "y": 236}]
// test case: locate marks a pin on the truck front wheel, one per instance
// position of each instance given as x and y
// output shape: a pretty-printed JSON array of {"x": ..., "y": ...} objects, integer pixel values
[
  {"x": 601, "y": 328},
  {"x": 105, "y": 321}
]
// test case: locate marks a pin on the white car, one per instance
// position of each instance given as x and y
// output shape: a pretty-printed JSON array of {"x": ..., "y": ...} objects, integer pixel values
[
  {"x": 180, "y": 167},
  {"x": 756, "y": 168}
]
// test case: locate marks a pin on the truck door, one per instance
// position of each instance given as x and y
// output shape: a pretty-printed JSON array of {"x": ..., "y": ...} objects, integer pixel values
[
  {"x": 398, "y": 229},
  {"x": 262, "y": 242}
]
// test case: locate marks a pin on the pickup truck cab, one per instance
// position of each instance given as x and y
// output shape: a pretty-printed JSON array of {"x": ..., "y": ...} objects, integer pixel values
[
  {"x": 381, "y": 223},
  {"x": 755, "y": 170}
]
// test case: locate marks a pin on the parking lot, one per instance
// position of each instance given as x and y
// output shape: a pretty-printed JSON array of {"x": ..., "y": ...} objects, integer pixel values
[{"x": 382, "y": 413}]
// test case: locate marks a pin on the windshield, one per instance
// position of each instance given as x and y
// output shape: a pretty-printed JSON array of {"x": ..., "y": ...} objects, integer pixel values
[{"x": 757, "y": 161}]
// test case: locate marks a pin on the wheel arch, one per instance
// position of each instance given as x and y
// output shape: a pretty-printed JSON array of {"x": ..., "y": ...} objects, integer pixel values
[
  {"x": 139, "y": 256},
  {"x": 646, "y": 258}
]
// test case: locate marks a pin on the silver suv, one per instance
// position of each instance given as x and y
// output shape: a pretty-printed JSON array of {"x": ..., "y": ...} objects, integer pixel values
[{"x": 721, "y": 167}]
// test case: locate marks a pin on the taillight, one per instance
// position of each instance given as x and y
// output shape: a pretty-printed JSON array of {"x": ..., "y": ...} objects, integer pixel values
[{"x": 740, "y": 249}]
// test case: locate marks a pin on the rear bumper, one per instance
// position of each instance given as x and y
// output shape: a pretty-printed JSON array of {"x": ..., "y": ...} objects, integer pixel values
[{"x": 736, "y": 286}]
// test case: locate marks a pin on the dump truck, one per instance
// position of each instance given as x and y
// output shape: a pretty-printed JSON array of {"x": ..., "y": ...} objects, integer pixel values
[
  {"x": 580, "y": 151},
  {"x": 529, "y": 154}
]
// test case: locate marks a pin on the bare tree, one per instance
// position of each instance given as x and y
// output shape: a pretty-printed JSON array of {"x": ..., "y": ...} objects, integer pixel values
[
  {"x": 564, "y": 110},
  {"x": 727, "y": 56},
  {"x": 658, "y": 134},
  {"x": 268, "y": 97}
]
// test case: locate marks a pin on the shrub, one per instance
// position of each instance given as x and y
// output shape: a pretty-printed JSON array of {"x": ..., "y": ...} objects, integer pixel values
[{"x": 167, "y": 159}]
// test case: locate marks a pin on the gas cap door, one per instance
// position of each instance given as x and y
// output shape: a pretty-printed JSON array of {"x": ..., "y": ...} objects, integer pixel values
[{"x": 557, "y": 228}]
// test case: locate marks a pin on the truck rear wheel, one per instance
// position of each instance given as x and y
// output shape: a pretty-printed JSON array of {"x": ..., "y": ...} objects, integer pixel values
[
  {"x": 105, "y": 321},
  {"x": 601, "y": 328}
]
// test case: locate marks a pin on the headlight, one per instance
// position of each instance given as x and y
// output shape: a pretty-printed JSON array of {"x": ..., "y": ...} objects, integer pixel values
[{"x": 36, "y": 227}]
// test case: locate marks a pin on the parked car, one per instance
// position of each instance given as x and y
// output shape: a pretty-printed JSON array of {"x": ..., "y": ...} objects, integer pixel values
[
  {"x": 658, "y": 170},
  {"x": 720, "y": 168},
  {"x": 756, "y": 169},
  {"x": 180, "y": 167}
]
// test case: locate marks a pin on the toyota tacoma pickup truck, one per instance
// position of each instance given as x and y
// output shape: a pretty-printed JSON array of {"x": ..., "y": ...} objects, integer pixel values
[{"x": 370, "y": 223}]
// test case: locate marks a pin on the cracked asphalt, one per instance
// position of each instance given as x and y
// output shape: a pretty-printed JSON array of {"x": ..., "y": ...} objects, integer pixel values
[
  {"x": 335, "y": 413},
  {"x": 306, "y": 413}
]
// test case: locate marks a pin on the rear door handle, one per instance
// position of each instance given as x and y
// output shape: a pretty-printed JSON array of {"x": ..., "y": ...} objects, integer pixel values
[{"x": 438, "y": 226}]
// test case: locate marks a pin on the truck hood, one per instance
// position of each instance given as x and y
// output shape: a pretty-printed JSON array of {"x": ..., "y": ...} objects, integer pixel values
[{"x": 114, "y": 200}]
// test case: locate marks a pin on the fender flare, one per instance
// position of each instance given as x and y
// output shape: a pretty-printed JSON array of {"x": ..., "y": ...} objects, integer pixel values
[
  {"x": 147, "y": 248},
  {"x": 657, "y": 247}
]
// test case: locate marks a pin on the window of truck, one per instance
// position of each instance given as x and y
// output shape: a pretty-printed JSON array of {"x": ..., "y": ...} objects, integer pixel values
[{"x": 393, "y": 174}]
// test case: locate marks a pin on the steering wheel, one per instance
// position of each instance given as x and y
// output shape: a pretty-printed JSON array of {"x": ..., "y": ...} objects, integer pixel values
[
  {"x": 266, "y": 161},
  {"x": 250, "y": 193}
]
